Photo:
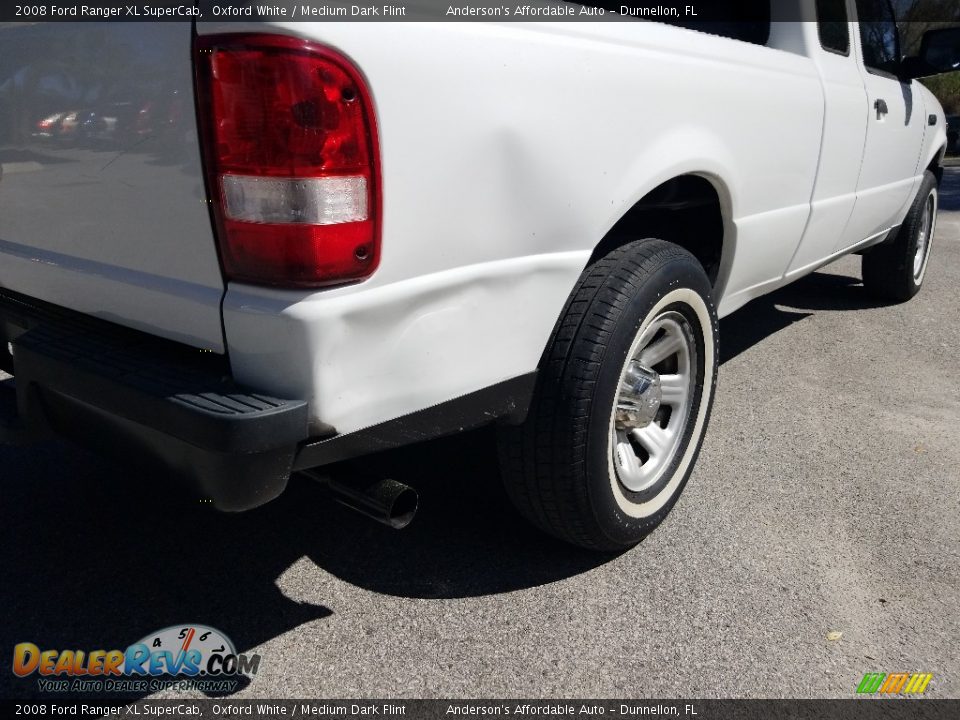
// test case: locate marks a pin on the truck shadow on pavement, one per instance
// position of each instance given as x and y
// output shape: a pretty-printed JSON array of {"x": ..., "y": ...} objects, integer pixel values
[
  {"x": 93, "y": 555},
  {"x": 950, "y": 191},
  {"x": 772, "y": 313}
]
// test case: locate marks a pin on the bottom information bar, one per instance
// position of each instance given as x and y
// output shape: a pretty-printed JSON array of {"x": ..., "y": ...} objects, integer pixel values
[{"x": 855, "y": 709}]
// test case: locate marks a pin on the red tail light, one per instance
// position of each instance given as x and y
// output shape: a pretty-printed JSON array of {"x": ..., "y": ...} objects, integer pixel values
[{"x": 292, "y": 160}]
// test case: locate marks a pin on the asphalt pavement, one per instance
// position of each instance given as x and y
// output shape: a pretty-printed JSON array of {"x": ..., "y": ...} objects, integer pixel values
[{"x": 826, "y": 500}]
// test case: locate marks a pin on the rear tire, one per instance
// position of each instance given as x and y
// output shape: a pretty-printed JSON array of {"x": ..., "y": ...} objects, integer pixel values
[
  {"x": 622, "y": 402},
  {"x": 895, "y": 270}
]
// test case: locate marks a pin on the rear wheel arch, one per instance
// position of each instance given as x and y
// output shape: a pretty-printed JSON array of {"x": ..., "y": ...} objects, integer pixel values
[
  {"x": 692, "y": 211},
  {"x": 936, "y": 164}
]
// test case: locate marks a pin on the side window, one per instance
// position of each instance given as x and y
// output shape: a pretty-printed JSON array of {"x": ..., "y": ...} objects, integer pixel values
[
  {"x": 751, "y": 31},
  {"x": 745, "y": 20},
  {"x": 878, "y": 34},
  {"x": 832, "y": 26}
]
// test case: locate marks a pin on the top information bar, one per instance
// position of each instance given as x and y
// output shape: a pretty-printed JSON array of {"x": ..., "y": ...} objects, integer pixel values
[{"x": 689, "y": 12}]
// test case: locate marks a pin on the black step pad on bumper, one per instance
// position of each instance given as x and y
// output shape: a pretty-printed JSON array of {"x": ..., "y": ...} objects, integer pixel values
[
  {"x": 109, "y": 386},
  {"x": 123, "y": 376}
]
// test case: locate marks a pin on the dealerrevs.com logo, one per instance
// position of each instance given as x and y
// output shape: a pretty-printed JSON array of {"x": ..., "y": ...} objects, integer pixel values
[{"x": 184, "y": 656}]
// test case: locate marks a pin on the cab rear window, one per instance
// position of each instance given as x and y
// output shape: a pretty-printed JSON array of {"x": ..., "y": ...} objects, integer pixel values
[{"x": 745, "y": 20}]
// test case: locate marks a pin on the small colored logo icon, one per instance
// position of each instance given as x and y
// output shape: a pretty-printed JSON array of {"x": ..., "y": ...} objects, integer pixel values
[{"x": 894, "y": 683}]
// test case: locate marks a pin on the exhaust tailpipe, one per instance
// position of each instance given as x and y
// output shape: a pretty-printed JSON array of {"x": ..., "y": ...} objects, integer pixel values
[{"x": 382, "y": 499}]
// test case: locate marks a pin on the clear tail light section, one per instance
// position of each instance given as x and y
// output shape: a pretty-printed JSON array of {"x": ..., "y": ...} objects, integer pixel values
[{"x": 292, "y": 159}]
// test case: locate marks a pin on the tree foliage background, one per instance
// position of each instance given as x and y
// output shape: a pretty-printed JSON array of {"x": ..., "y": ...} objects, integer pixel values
[{"x": 918, "y": 16}]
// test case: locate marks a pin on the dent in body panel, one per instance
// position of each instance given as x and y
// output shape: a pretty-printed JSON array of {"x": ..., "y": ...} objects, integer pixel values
[{"x": 384, "y": 352}]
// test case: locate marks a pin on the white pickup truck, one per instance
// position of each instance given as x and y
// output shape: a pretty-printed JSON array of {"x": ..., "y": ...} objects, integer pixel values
[{"x": 255, "y": 249}]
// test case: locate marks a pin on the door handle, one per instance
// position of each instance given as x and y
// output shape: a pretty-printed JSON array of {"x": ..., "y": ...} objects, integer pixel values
[{"x": 880, "y": 105}]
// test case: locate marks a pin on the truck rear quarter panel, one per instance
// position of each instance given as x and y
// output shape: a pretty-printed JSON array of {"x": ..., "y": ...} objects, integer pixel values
[{"x": 508, "y": 151}]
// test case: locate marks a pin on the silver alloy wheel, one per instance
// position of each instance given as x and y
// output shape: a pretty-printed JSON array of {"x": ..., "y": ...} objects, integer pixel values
[
  {"x": 653, "y": 402},
  {"x": 925, "y": 237}
]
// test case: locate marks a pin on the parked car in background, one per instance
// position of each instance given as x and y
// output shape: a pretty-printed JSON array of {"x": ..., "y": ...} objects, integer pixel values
[{"x": 49, "y": 126}]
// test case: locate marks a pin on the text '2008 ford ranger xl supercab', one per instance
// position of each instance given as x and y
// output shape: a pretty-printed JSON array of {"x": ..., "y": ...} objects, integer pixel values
[{"x": 250, "y": 250}]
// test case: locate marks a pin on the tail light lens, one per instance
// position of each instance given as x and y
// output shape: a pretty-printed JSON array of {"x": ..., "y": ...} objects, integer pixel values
[{"x": 292, "y": 160}]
